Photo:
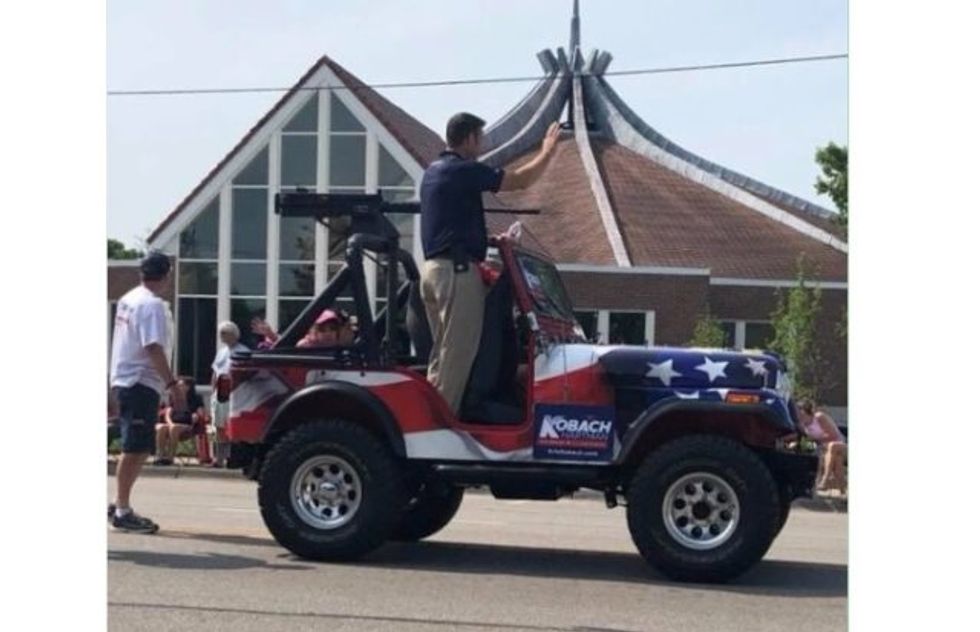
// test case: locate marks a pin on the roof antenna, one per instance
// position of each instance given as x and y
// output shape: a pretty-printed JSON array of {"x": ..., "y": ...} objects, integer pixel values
[{"x": 574, "y": 41}]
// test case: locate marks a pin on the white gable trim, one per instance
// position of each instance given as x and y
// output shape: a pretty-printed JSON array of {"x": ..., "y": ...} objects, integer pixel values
[
  {"x": 595, "y": 178},
  {"x": 323, "y": 77},
  {"x": 661, "y": 270}
]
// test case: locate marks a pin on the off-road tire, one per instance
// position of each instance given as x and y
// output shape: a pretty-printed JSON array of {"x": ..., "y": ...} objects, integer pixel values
[
  {"x": 431, "y": 509},
  {"x": 382, "y": 500},
  {"x": 749, "y": 479}
]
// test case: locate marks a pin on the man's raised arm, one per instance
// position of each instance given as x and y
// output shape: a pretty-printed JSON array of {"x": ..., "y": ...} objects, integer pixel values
[{"x": 528, "y": 173}]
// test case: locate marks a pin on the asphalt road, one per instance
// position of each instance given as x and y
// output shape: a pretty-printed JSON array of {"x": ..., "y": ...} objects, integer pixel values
[{"x": 500, "y": 565}]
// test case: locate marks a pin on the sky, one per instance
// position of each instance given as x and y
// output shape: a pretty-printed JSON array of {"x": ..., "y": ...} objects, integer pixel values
[{"x": 764, "y": 122}]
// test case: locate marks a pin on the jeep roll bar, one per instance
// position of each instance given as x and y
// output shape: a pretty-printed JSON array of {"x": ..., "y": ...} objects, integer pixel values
[{"x": 370, "y": 231}]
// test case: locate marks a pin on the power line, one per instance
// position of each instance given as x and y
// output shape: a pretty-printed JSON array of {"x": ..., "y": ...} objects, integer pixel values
[{"x": 463, "y": 82}]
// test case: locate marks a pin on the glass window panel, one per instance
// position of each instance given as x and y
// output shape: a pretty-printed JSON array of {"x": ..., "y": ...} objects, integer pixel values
[
  {"x": 248, "y": 279},
  {"x": 200, "y": 239},
  {"x": 197, "y": 329},
  {"x": 249, "y": 223},
  {"x": 390, "y": 173},
  {"x": 728, "y": 327},
  {"x": 257, "y": 171},
  {"x": 338, "y": 242},
  {"x": 398, "y": 195},
  {"x": 296, "y": 279},
  {"x": 297, "y": 238},
  {"x": 305, "y": 119},
  {"x": 243, "y": 310},
  {"x": 299, "y": 161},
  {"x": 341, "y": 119},
  {"x": 289, "y": 310},
  {"x": 197, "y": 278},
  {"x": 627, "y": 328},
  {"x": 758, "y": 335},
  {"x": 332, "y": 270},
  {"x": 347, "y": 160},
  {"x": 589, "y": 322}
]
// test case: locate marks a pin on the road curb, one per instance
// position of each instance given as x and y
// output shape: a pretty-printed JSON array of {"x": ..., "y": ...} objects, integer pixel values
[{"x": 832, "y": 504}]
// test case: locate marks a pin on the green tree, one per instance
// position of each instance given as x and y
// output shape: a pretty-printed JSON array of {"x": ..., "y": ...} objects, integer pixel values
[
  {"x": 795, "y": 332},
  {"x": 707, "y": 333},
  {"x": 118, "y": 250},
  {"x": 832, "y": 160}
]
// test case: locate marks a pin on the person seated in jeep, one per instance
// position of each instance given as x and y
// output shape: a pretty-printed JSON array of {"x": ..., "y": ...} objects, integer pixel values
[{"x": 331, "y": 329}]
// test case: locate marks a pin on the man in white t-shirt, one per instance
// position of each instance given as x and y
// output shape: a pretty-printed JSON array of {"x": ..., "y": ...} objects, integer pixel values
[
  {"x": 139, "y": 374},
  {"x": 229, "y": 334}
]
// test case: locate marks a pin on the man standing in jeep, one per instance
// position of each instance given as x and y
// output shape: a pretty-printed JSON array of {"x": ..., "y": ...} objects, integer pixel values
[{"x": 454, "y": 239}]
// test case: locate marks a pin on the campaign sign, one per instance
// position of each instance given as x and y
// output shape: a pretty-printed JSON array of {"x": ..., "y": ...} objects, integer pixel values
[{"x": 568, "y": 432}]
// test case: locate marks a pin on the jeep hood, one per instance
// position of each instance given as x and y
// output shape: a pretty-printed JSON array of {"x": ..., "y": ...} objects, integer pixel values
[{"x": 669, "y": 367}]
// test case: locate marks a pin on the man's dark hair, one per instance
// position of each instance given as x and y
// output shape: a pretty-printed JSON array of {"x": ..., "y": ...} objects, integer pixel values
[
  {"x": 460, "y": 126},
  {"x": 154, "y": 266}
]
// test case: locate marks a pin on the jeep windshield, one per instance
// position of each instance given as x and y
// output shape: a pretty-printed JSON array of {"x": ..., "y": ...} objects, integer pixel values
[{"x": 545, "y": 287}]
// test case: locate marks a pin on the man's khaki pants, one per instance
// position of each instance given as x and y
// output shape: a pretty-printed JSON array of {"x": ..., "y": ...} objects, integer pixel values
[{"x": 454, "y": 305}]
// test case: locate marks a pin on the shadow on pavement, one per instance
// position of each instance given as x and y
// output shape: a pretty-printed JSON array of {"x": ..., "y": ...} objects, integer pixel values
[
  {"x": 203, "y": 562},
  {"x": 769, "y": 577}
]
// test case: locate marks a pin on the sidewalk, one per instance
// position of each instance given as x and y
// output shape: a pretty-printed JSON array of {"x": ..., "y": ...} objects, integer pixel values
[{"x": 178, "y": 470}]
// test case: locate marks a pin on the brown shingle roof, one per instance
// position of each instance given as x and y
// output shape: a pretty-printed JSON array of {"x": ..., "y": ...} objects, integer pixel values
[
  {"x": 669, "y": 220},
  {"x": 569, "y": 226},
  {"x": 421, "y": 142}
]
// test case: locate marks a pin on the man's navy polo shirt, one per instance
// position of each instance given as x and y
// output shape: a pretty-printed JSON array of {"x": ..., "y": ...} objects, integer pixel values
[{"x": 452, "y": 206}]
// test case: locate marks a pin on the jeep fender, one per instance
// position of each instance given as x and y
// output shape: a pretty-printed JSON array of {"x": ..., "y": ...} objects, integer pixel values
[
  {"x": 347, "y": 398},
  {"x": 649, "y": 420}
]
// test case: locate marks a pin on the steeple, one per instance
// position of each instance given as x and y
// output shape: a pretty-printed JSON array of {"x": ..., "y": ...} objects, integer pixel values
[{"x": 576, "y": 37}]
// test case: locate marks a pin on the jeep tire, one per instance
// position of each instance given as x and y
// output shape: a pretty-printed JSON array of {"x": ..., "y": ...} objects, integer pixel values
[
  {"x": 331, "y": 490},
  {"x": 430, "y": 509},
  {"x": 682, "y": 518}
]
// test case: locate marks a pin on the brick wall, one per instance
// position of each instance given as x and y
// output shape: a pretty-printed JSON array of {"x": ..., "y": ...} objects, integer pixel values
[
  {"x": 758, "y": 303},
  {"x": 677, "y": 300}
]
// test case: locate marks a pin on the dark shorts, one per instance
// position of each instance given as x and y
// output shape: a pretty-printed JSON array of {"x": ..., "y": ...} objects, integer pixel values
[{"x": 138, "y": 411}]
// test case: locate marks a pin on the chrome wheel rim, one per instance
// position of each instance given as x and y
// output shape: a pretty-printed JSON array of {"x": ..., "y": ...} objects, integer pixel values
[
  {"x": 326, "y": 492},
  {"x": 701, "y": 511}
]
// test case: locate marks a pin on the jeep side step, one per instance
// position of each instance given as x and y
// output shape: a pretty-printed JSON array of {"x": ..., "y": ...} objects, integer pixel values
[{"x": 520, "y": 482}]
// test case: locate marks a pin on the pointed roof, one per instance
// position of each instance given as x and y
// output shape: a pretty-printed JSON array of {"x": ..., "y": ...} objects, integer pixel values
[
  {"x": 418, "y": 140},
  {"x": 618, "y": 192}
]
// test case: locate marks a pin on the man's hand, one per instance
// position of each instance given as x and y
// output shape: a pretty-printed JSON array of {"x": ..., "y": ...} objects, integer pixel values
[
  {"x": 261, "y": 328},
  {"x": 528, "y": 173},
  {"x": 550, "y": 138}
]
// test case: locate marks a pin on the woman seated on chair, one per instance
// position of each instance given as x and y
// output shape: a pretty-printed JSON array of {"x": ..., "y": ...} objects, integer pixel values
[
  {"x": 821, "y": 427},
  {"x": 178, "y": 424}
]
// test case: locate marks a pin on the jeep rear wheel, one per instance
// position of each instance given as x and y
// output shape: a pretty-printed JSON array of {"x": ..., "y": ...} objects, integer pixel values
[
  {"x": 430, "y": 510},
  {"x": 702, "y": 509},
  {"x": 330, "y": 490}
]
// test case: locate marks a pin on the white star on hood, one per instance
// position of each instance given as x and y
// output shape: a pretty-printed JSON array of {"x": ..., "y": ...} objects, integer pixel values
[
  {"x": 713, "y": 369},
  {"x": 664, "y": 371},
  {"x": 758, "y": 367}
]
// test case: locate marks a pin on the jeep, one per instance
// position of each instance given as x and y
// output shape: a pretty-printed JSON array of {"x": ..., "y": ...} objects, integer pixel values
[{"x": 352, "y": 447}]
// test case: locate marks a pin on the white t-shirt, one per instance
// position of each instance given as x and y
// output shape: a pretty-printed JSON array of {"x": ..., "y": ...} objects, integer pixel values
[
  {"x": 142, "y": 319},
  {"x": 222, "y": 359}
]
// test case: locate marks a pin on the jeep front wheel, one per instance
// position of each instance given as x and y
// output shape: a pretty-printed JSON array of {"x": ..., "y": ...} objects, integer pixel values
[
  {"x": 430, "y": 510},
  {"x": 330, "y": 490},
  {"x": 702, "y": 508}
]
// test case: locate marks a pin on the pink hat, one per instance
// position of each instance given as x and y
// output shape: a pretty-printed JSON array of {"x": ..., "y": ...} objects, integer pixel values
[{"x": 326, "y": 316}]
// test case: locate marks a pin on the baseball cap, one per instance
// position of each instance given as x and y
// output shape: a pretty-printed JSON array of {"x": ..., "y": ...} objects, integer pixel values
[
  {"x": 326, "y": 316},
  {"x": 155, "y": 264}
]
